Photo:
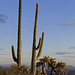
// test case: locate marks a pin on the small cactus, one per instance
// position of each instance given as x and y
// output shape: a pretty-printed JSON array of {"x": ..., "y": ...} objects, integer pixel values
[
  {"x": 19, "y": 45},
  {"x": 40, "y": 45}
]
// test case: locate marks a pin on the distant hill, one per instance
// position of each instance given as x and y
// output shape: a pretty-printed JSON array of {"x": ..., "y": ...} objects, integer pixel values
[{"x": 70, "y": 67}]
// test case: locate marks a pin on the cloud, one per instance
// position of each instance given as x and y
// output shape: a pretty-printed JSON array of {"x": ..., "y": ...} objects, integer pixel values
[
  {"x": 62, "y": 53},
  {"x": 72, "y": 47},
  {"x": 67, "y": 24},
  {"x": 3, "y": 18},
  {"x": 1, "y": 49},
  {"x": 69, "y": 56},
  {"x": 42, "y": 23},
  {"x": 73, "y": 17},
  {"x": 3, "y": 54},
  {"x": 1, "y": 15}
]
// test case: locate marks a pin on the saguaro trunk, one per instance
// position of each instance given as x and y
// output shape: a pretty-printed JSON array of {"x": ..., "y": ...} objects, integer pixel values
[
  {"x": 19, "y": 42},
  {"x": 19, "y": 48},
  {"x": 40, "y": 45}
]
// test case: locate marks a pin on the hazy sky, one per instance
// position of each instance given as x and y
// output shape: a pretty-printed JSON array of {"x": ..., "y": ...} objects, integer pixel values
[{"x": 56, "y": 19}]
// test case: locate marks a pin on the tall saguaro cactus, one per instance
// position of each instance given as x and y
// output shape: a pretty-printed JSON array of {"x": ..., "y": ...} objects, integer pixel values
[
  {"x": 19, "y": 42},
  {"x": 40, "y": 45}
]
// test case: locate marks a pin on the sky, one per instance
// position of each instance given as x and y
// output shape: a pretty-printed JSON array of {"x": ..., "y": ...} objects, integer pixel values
[{"x": 56, "y": 18}]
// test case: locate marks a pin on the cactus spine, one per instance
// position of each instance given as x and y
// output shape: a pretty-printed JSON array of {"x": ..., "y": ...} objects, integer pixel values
[
  {"x": 19, "y": 42},
  {"x": 40, "y": 45}
]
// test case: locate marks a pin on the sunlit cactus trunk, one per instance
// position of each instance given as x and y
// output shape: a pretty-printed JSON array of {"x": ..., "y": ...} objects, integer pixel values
[
  {"x": 19, "y": 47},
  {"x": 40, "y": 45},
  {"x": 19, "y": 42},
  {"x": 62, "y": 72}
]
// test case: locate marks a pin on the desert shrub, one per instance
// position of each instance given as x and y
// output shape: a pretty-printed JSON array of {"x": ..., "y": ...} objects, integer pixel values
[
  {"x": 4, "y": 71},
  {"x": 0, "y": 66},
  {"x": 14, "y": 70},
  {"x": 23, "y": 70}
]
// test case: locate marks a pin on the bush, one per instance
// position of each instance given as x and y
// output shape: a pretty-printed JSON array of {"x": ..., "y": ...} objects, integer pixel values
[{"x": 14, "y": 70}]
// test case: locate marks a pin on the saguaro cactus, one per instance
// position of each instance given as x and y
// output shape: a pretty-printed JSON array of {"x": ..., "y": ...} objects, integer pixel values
[
  {"x": 40, "y": 45},
  {"x": 19, "y": 42}
]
